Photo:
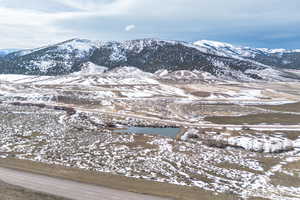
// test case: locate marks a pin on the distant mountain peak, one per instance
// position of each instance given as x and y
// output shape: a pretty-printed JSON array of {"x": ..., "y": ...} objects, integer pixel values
[
  {"x": 4, "y": 52},
  {"x": 212, "y": 43},
  {"x": 222, "y": 60}
]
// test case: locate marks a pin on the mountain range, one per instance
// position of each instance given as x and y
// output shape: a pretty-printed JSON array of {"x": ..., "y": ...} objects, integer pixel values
[
  {"x": 4, "y": 52},
  {"x": 222, "y": 60}
]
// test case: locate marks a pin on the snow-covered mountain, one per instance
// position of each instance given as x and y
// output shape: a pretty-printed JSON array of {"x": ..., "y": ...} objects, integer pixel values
[
  {"x": 61, "y": 58},
  {"x": 281, "y": 58},
  {"x": 221, "y": 60},
  {"x": 4, "y": 52},
  {"x": 225, "y": 49}
]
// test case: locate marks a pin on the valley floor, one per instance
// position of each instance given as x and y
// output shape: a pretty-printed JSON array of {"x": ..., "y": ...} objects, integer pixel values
[{"x": 239, "y": 139}]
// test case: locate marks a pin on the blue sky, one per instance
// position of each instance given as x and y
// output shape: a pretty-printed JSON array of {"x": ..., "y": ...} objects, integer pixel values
[{"x": 255, "y": 23}]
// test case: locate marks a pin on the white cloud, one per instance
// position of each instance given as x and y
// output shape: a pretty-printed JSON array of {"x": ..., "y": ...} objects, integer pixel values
[
  {"x": 36, "y": 21},
  {"x": 101, "y": 8},
  {"x": 30, "y": 26},
  {"x": 130, "y": 27}
]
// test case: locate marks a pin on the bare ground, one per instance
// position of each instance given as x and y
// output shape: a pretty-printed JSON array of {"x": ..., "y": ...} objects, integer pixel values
[
  {"x": 114, "y": 181},
  {"x": 10, "y": 192},
  {"x": 253, "y": 119}
]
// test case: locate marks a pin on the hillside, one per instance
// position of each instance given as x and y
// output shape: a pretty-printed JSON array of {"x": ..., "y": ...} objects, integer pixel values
[{"x": 222, "y": 60}]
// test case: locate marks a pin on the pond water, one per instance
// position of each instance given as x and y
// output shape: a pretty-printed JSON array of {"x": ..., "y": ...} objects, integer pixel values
[{"x": 170, "y": 132}]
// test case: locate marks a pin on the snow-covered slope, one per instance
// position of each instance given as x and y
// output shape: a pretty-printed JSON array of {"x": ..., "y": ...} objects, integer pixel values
[
  {"x": 4, "y": 52},
  {"x": 152, "y": 55},
  {"x": 92, "y": 76},
  {"x": 271, "y": 51},
  {"x": 128, "y": 72},
  {"x": 90, "y": 68},
  {"x": 282, "y": 58},
  {"x": 220, "y": 60},
  {"x": 61, "y": 58},
  {"x": 227, "y": 49}
]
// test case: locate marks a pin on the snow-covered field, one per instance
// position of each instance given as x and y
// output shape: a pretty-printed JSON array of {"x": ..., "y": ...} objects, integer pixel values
[
  {"x": 68, "y": 120},
  {"x": 82, "y": 140}
]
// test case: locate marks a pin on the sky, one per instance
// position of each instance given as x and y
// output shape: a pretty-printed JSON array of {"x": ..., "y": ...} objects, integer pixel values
[{"x": 254, "y": 23}]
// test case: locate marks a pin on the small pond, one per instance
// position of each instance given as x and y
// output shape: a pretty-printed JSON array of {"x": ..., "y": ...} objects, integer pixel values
[{"x": 169, "y": 132}]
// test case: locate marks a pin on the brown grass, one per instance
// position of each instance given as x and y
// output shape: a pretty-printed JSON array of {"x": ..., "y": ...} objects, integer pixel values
[
  {"x": 291, "y": 107},
  {"x": 293, "y": 165},
  {"x": 285, "y": 180},
  {"x": 201, "y": 94},
  {"x": 115, "y": 181},
  {"x": 139, "y": 141},
  {"x": 268, "y": 118},
  {"x": 228, "y": 165}
]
